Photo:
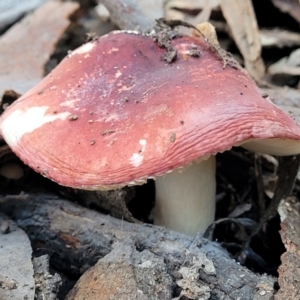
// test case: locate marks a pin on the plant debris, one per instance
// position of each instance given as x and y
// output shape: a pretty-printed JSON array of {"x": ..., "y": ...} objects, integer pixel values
[{"x": 163, "y": 34}]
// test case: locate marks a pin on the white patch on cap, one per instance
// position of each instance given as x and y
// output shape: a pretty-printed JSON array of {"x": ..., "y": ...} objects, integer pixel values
[
  {"x": 118, "y": 74},
  {"x": 113, "y": 49},
  {"x": 124, "y": 88},
  {"x": 21, "y": 122},
  {"x": 109, "y": 118},
  {"x": 83, "y": 49},
  {"x": 137, "y": 158},
  {"x": 69, "y": 103}
]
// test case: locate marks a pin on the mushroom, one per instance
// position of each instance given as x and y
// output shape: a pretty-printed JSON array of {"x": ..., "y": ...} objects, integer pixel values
[{"x": 114, "y": 113}]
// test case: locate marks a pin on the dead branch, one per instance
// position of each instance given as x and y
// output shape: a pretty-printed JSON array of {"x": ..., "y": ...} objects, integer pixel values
[{"x": 76, "y": 238}]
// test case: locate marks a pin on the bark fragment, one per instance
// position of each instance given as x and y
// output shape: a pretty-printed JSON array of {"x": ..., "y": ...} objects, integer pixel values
[{"x": 289, "y": 271}]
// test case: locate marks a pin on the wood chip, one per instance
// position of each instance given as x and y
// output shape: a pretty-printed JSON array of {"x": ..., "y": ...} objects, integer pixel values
[{"x": 27, "y": 46}]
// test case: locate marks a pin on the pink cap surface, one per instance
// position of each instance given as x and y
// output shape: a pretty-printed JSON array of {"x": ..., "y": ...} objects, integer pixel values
[{"x": 113, "y": 113}]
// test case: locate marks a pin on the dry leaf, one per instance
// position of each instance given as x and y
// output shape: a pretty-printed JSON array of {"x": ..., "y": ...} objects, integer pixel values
[
  {"x": 128, "y": 14},
  {"x": 279, "y": 38},
  {"x": 284, "y": 96},
  {"x": 291, "y": 7},
  {"x": 22, "y": 62},
  {"x": 240, "y": 209},
  {"x": 242, "y": 22},
  {"x": 153, "y": 9},
  {"x": 176, "y": 9},
  {"x": 287, "y": 65}
]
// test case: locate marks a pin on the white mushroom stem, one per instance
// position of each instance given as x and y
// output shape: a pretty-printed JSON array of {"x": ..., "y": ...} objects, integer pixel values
[{"x": 185, "y": 199}]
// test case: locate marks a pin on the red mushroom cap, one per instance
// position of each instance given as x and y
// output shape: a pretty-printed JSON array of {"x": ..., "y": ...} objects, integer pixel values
[{"x": 114, "y": 113}]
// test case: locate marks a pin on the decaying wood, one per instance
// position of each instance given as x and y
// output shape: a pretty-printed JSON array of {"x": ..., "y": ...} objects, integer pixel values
[
  {"x": 113, "y": 201},
  {"x": 27, "y": 46},
  {"x": 47, "y": 285},
  {"x": 289, "y": 271},
  {"x": 125, "y": 273},
  {"x": 76, "y": 238}
]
